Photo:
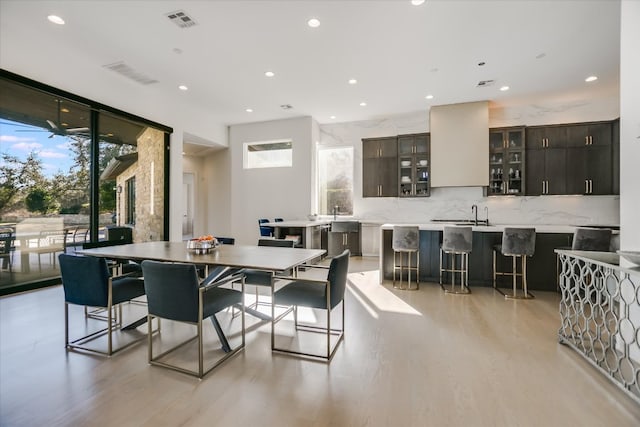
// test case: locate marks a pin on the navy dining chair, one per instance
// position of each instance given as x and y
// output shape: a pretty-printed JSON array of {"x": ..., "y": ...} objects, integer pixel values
[
  {"x": 86, "y": 281},
  {"x": 175, "y": 293}
]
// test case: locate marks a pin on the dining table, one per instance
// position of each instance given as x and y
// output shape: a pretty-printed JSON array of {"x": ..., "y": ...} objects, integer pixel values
[{"x": 271, "y": 259}]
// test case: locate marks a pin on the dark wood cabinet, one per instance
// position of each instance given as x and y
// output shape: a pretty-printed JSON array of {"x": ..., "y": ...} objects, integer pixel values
[
  {"x": 380, "y": 167},
  {"x": 506, "y": 161},
  {"x": 590, "y": 159},
  {"x": 344, "y": 235},
  {"x": 414, "y": 166},
  {"x": 546, "y": 158}
]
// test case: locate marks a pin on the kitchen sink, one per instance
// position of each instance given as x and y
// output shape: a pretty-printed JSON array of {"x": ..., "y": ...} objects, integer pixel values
[{"x": 460, "y": 221}]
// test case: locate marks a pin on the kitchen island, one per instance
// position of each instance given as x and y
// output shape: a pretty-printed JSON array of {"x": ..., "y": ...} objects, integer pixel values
[
  {"x": 541, "y": 269},
  {"x": 311, "y": 234}
]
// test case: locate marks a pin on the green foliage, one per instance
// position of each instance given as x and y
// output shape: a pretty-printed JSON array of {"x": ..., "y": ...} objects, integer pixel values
[
  {"x": 39, "y": 200},
  {"x": 16, "y": 176}
]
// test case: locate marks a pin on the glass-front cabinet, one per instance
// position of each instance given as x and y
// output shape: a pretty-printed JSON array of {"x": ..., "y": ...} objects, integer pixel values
[
  {"x": 506, "y": 161},
  {"x": 414, "y": 177}
]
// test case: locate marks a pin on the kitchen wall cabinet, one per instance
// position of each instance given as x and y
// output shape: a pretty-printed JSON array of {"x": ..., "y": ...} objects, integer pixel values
[
  {"x": 570, "y": 159},
  {"x": 506, "y": 161},
  {"x": 380, "y": 167},
  {"x": 414, "y": 165},
  {"x": 589, "y": 159}
]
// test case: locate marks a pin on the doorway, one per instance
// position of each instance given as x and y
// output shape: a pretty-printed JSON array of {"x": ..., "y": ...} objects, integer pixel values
[{"x": 188, "y": 191}]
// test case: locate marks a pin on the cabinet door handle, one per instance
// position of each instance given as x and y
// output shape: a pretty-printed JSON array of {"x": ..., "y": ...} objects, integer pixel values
[
  {"x": 590, "y": 186},
  {"x": 542, "y": 187},
  {"x": 591, "y": 140},
  {"x": 586, "y": 186}
]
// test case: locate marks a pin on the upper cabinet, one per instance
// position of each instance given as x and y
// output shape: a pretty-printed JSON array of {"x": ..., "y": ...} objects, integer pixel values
[
  {"x": 571, "y": 159},
  {"x": 414, "y": 165},
  {"x": 380, "y": 167},
  {"x": 506, "y": 161}
]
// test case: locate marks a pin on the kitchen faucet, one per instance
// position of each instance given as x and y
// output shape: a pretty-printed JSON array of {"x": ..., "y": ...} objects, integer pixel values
[
  {"x": 474, "y": 208},
  {"x": 335, "y": 212},
  {"x": 486, "y": 214}
]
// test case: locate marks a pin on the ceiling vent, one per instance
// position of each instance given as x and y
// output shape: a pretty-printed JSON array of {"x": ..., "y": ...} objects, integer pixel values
[
  {"x": 485, "y": 83},
  {"x": 181, "y": 19},
  {"x": 121, "y": 68}
]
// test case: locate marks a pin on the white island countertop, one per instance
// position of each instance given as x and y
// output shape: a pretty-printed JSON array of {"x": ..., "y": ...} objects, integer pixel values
[
  {"x": 493, "y": 228},
  {"x": 296, "y": 224}
]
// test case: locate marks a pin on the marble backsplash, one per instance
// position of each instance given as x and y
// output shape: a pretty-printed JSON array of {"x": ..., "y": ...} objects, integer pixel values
[{"x": 456, "y": 203}]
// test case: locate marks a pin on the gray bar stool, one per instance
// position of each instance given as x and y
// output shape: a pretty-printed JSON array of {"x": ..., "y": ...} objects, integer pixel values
[
  {"x": 456, "y": 241},
  {"x": 516, "y": 242},
  {"x": 406, "y": 240},
  {"x": 587, "y": 239}
]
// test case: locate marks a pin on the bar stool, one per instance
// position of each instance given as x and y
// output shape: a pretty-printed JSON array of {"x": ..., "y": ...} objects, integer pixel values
[
  {"x": 516, "y": 242},
  {"x": 406, "y": 240},
  {"x": 456, "y": 241},
  {"x": 587, "y": 239}
]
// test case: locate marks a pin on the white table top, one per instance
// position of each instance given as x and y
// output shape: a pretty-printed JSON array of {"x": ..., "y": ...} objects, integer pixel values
[
  {"x": 300, "y": 224},
  {"x": 257, "y": 257}
]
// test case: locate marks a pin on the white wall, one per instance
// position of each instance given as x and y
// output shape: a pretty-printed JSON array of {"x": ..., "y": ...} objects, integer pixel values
[
  {"x": 270, "y": 192},
  {"x": 630, "y": 126},
  {"x": 218, "y": 178}
]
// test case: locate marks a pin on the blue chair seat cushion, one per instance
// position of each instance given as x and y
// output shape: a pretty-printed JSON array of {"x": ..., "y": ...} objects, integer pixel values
[
  {"x": 126, "y": 288},
  {"x": 217, "y": 299},
  {"x": 301, "y": 292}
]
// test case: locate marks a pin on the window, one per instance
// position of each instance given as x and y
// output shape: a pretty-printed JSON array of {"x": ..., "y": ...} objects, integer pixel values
[
  {"x": 335, "y": 180},
  {"x": 269, "y": 154},
  {"x": 130, "y": 209}
]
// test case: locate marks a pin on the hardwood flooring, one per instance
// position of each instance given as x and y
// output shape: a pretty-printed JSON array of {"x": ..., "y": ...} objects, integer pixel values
[{"x": 409, "y": 358}]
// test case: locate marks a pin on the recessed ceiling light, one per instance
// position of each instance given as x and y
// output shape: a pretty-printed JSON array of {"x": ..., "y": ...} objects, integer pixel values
[
  {"x": 64, "y": 110},
  {"x": 55, "y": 19},
  {"x": 363, "y": 104},
  {"x": 64, "y": 124},
  {"x": 249, "y": 110},
  {"x": 313, "y": 23},
  {"x": 417, "y": 2},
  {"x": 591, "y": 79},
  {"x": 332, "y": 117},
  {"x": 352, "y": 81},
  {"x": 429, "y": 97},
  {"x": 183, "y": 87},
  {"x": 269, "y": 73},
  {"x": 504, "y": 88}
]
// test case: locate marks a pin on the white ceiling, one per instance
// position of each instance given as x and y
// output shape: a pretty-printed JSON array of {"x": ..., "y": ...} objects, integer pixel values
[{"x": 398, "y": 52}]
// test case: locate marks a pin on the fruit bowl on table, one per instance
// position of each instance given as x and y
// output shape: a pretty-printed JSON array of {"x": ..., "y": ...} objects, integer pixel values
[{"x": 202, "y": 245}]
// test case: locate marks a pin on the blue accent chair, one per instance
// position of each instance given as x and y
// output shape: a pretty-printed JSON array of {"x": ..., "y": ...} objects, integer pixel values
[
  {"x": 175, "y": 293},
  {"x": 318, "y": 294},
  {"x": 264, "y": 230},
  {"x": 86, "y": 281}
]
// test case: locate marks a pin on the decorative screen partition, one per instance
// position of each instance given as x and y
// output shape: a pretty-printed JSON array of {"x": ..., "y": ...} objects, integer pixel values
[{"x": 600, "y": 315}]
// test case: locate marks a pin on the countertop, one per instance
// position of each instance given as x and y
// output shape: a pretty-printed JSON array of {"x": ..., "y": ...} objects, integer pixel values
[
  {"x": 540, "y": 228},
  {"x": 299, "y": 224}
]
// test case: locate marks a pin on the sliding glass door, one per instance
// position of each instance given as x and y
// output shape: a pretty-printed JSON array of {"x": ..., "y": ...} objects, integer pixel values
[{"x": 69, "y": 172}]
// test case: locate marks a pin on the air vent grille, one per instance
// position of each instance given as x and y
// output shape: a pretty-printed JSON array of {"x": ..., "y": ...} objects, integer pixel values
[
  {"x": 121, "y": 68},
  {"x": 181, "y": 19},
  {"x": 485, "y": 83}
]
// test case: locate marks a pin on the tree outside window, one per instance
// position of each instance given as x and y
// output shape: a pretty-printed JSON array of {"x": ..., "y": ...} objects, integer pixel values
[{"x": 335, "y": 180}]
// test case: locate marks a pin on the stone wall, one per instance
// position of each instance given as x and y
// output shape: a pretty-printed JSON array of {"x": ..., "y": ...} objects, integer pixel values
[{"x": 149, "y": 175}]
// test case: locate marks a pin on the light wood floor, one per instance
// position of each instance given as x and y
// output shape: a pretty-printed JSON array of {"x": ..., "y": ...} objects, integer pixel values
[{"x": 418, "y": 358}]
